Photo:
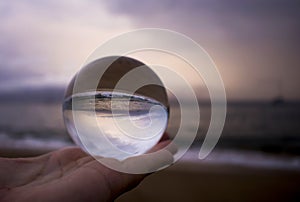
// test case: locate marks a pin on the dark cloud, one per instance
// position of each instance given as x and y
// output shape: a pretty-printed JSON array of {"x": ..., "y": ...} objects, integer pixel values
[
  {"x": 253, "y": 42},
  {"x": 228, "y": 14},
  {"x": 220, "y": 7},
  {"x": 250, "y": 23}
]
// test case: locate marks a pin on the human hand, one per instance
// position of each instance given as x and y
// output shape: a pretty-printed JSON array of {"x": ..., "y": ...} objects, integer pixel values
[{"x": 69, "y": 175}]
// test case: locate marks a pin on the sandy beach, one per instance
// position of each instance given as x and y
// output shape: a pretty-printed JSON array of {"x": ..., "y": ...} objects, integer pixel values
[{"x": 186, "y": 181}]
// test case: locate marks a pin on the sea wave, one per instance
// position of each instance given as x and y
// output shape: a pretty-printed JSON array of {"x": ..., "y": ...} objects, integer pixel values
[
  {"x": 255, "y": 159},
  {"x": 30, "y": 142}
]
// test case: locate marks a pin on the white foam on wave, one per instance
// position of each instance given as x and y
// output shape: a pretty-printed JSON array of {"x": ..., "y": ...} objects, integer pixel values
[
  {"x": 29, "y": 142},
  {"x": 245, "y": 158}
]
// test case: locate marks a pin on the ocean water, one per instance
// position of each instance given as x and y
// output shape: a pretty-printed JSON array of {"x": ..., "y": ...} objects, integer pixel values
[
  {"x": 261, "y": 128},
  {"x": 31, "y": 125}
]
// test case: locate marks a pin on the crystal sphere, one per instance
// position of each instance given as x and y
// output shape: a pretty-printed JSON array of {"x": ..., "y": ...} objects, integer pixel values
[{"x": 116, "y": 107}]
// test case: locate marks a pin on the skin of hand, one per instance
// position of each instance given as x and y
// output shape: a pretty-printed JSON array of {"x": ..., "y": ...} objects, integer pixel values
[{"x": 67, "y": 175}]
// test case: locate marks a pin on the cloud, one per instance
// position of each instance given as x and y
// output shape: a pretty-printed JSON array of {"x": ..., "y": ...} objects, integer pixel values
[
  {"x": 49, "y": 40},
  {"x": 250, "y": 41},
  {"x": 232, "y": 17}
]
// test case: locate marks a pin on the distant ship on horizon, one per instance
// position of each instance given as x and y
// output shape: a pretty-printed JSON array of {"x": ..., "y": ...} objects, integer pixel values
[{"x": 279, "y": 100}]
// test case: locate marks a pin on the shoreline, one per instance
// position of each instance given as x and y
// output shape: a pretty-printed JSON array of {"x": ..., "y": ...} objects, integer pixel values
[{"x": 236, "y": 157}]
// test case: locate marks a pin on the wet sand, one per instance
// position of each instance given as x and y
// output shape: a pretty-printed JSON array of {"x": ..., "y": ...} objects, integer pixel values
[{"x": 186, "y": 181}]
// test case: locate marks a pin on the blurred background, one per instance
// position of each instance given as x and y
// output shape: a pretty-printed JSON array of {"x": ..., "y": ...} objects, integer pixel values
[{"x": 254, "y": 44}]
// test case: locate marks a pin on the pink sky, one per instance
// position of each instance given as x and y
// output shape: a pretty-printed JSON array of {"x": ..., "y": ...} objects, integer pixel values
[{"x": 253, "y": 43}]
